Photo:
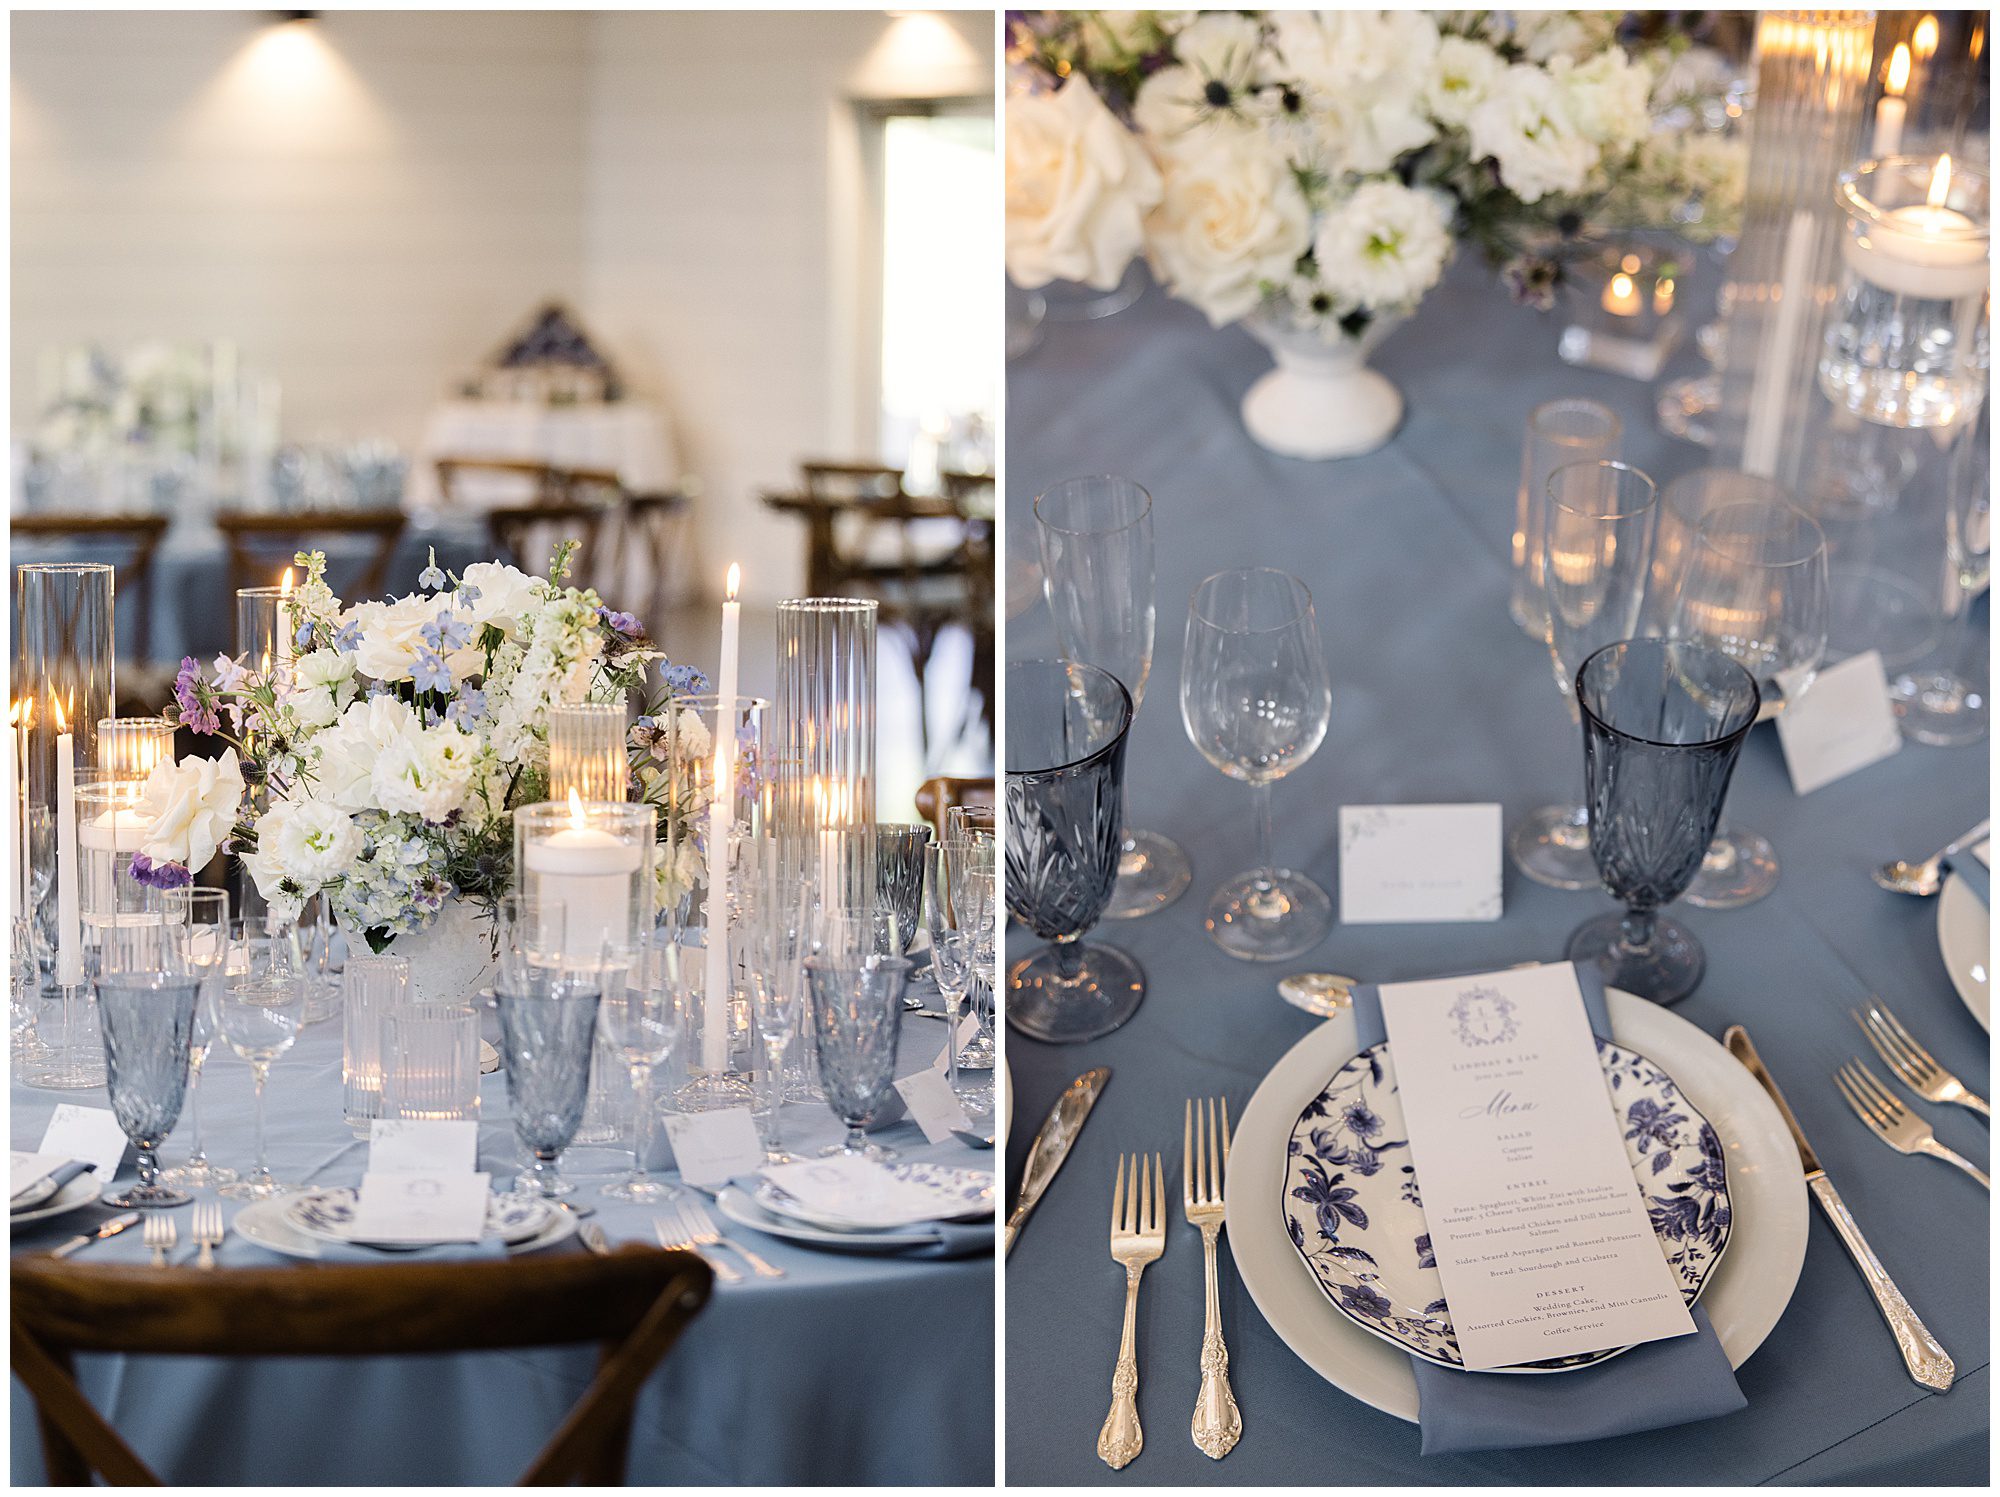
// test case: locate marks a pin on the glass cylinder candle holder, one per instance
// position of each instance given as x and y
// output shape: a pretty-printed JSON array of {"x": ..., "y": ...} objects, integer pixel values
[
  {"x": 824, "y": 791},
  {"x": 588, "y": 867},
  {"x": 129, "y": 748},
  {"x": 587, "y": 751},
  {"x": 374, "y": 987},
  {"x": 431, "y": 1063},
  {"x": 112, "y": 825},
  {"x": 264, "y": 626},
  {"x": 65, "y": 664},
  {"x": 1908, "y": 343}
]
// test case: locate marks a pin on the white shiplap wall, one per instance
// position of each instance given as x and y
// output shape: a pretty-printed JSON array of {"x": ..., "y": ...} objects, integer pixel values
[{"x": 366, "y": 211}]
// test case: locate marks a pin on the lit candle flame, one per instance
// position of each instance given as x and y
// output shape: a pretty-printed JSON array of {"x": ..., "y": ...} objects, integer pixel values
[
  {"x": 1899, "y": 70},
  {"x": 62, "y": 719},
  {"x": 1940, "y": 182},
  {"x": 1621, "y": 286},
  {"x": 1926, "y": 36},
  {"x": 576, "y": 817},
  {"x": 14, "y": 713},
  {"x": 733, "y": 583},
  {"x": 285, "y": 585}
]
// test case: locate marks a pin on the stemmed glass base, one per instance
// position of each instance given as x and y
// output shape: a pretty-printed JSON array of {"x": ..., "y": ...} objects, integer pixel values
[
  {"x": 1269, "y": 915},
  {"x": 146, "y": 1198},
  {"x": 1066, "y": 996},
  {"x": 1937, "y": 708},
  {"x": 1740, "y": 868},
  {"x": 1152, "y": 873},
  {"x": 1664, "y": 968},
  {"x": 198, "y": 1174},
  {"x": 257, "y": 1186},
  {"x": 865, "y": 1148},
  {"x": 715, "y": 1090},
  {"x": 1552, "y": 846},
  {"x": 640, "y": 1191}
]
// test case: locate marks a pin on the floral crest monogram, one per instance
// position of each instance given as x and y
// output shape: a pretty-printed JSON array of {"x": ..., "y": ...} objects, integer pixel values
[{"x": 1484, "y": 1017}]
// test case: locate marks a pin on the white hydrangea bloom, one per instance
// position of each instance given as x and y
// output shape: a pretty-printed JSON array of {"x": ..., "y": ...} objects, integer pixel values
[{"x": 1384, "y": 246}]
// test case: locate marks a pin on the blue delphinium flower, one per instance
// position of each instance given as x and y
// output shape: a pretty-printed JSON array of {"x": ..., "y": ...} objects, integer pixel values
[
  {"x": 467, "y": 593},
  {"x": 430, "y": 672},
  {"x": 431, "y": 578},
  {"x": 348, "y": 638},
  {"x": 468, "y": 708},
  {"x": 684, "y": 680},
  {"x": 445, "y": 633},
  {"x": 622, "y": 623},
  {"x": 302, "y": 637}
]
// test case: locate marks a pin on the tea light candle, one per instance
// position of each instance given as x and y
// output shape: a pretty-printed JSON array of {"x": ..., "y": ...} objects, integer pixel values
[
  {"x": 1924, "y": 250},
  {"x": 1621, "y": 296},
  {"x": 587, "y": 873}
]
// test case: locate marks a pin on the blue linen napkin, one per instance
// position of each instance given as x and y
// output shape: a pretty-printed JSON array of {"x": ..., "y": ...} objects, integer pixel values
[
  {"x": 956, "y": 1240},
  {"x": 1654, "y": 1386},
  {"x": 62, "y": 1174},
  {"x": 1978, "y": 877}
]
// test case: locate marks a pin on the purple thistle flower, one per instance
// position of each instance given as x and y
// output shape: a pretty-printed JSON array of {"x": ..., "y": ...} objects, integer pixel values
[{"x": 159, "y": 875}]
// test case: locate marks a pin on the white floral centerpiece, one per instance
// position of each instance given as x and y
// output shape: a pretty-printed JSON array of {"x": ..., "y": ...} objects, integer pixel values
[
  {"x": 376, "y": 766},
  {"x": 1310, "y": 173}
]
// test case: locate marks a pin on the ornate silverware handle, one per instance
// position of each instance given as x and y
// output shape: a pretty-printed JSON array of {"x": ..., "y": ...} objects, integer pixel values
[
  {"x": 1218, "y": 1424},
  {"x": 1949, "y": 1156},
  {"x": 1973, "y": 1100},
  {"x": 1013, "y": 1230},
  {"x": 1928, "y": 1362},
  {"x": 1119, "y": 1442}
]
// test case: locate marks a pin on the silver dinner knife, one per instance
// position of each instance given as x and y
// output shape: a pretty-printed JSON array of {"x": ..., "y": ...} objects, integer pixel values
[
  {"x": 111, "y": 1228},
  {"x": 1927, "y": 1361},
  {"x": 1051, "y": 1146}
]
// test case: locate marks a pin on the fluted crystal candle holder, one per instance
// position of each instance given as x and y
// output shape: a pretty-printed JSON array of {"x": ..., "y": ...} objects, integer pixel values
[
  {"x": 824, "y": 791},
  {"x": 588, "y": 866},
  {"x": 129, "y": 748},
  {"x": 431, "y": 1063},
  {"x": 1908, "y": 345},
  {"x": 587, "y": 751},
  {"x": 374, "y": 987}
]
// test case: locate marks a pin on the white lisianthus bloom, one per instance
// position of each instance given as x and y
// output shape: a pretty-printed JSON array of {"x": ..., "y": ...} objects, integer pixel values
[
  {"x": 427, "y": 774},
  {"x": 1525, "y": 126},
  {"x": 193, "y": 805},
  {"x": 1209, "y": 86},
  {"x": 1364, "y": 75},
  {"x": 392, "y": 635},
  {"x": 506, "y": 596},
  {"x": 1078, "y": 187},
  {"x": 1384, "y": 246},
  {"x": 1232, "y": 221},
  {"x": 1609, "y": 98},
  {"x": 1461, "y": 78},
  {"x": 322, "y": 683},
  {"x": 349, "y": 750},
  {"x": 309, "y": 842}
]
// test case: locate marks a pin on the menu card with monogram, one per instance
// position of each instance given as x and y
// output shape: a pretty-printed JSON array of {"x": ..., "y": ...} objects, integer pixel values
[{"x": 1541, "y": 1237}]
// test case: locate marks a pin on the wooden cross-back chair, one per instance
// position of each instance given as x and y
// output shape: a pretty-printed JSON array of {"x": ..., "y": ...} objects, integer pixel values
[
  {"x": 936, "y": 797},
  {"x": 655, "y": 552},
  {"x": 140, "y": 535},
  {"x": 634, "y": 1304},
  {"x": 261, "y": 545},
  {"x": 527, "y": 535}
]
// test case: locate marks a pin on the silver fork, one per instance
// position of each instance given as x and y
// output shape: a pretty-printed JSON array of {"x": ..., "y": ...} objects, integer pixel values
[
  {"x": 158, "y": 1234},
  {"x": 1218, "y": 1424},
  {"x": 1138, "y": 1236},
  {"x": 207, "y": 1227},
  {"x": 673, "y": 1235},
  {"x": 701, "y": 1226},
  {"x": 1912, "y": 1063},
  {"x": 1893, "y": 1123}
]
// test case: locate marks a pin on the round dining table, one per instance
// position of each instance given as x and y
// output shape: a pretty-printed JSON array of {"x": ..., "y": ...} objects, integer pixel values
[
  {"x": 1439, "y": 697},
  {"x": 850, "y": 1369}
]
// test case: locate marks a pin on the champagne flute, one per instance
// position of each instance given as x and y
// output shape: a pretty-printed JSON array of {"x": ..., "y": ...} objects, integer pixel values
[
  {"x": 1255, "y": 700},
  {"x": 1597, "y": 547},
  {"x": 205, "y": 913},
  {"x": 260, "y": 1007},
  {"x": 778, "y": 938},
  {"x": 1942, "y": 701},
  {"x": 1096, "y": 539},
  {"x": 638, "y": 1019},
  {"x": 953, "y": 949}
]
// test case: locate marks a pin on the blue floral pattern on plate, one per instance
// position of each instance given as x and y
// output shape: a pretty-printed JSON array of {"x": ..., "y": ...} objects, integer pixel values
[
  {"x": 329, "y": 1216},
  {"x": 1354, "y": 1208},
  {"x": 949, "y": 1194}
]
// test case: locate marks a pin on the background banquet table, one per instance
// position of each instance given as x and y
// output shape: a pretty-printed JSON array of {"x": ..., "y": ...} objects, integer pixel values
[
  {"x": 1437, "y": 696},
  {"x": 849, "y": 1369}
]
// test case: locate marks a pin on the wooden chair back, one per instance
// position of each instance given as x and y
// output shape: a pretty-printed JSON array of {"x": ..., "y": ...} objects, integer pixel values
[
  {"x": 936, "y": 797},
  {"x": 656, "y": 555},
  {"x": 262, "y": 544},
  {"x": 634, "y": 1304},
  {"x": 140, "y": 534},
  {"x": 528, "y": 534}
]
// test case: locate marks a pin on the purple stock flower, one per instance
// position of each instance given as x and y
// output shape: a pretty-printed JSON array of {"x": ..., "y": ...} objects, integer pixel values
[
  {"x": 196, "y": 705},
  {"x": 622, "y": 623},
  {"x": 159, "y": 875}
]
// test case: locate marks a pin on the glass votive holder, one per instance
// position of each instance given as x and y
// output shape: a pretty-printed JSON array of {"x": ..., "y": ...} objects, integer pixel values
[
  {"x": 129, "y": 748},
  {"x": 587, "y": 751},
  {"x": 1569, "y": 430},
  {"x": 1628, "y": 324},
  {"x": 431, "y": 1063},
  {"x": 375, "y": 987},
  {"x": 587, "y": 866},
  {"x": 1908, "y": 344},
  {"x": 112, "y": 825}
]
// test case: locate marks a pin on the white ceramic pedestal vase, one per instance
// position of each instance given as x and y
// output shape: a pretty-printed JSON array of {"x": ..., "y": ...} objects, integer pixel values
[
  {"x": 1322, "y": 401},
  {"x": 451, "y": 960}
]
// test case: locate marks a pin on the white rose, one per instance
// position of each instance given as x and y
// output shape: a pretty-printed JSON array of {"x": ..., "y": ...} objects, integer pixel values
[
  {"x": 1233, "y": 219},
  {"x": 1384, "y": 247},
  {"x": 1461, "y": 78},
  {"x": 426, "y": 774},
  {"x": 1525, "y": 126},
  {"x": 193, "y": 805},
  {"x": 1609, "y": 98},
  {"x": 1078, "y": 187},
  {"x": 1209, "y": 85},
  {"x": 392, "y": 634},
  {"x": 311, "y": 842},
  {"x": 349, "y": 750},
  {"x": 507, "y": 595}
]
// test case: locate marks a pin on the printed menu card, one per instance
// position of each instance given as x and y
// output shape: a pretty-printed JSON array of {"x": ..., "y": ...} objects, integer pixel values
[{"x": 1540, "y": 1233}]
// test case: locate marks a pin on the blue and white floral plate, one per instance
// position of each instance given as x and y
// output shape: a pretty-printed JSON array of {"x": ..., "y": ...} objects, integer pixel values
[
  {"x": 922, "y": 1193},
  {"x": 328, "y": 1215},
  {"x": 1354, "y": 1211}
]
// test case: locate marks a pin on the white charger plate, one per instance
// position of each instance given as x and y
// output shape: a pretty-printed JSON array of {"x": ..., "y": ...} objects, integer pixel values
[
  {"x": 1744, "y": 1299},
  {"x": 81, "y": 1191},
  {"x": 1962, "y": 930},
  {"x": 263, "y": 1222},
  {"x": 737, "y": 1205}
]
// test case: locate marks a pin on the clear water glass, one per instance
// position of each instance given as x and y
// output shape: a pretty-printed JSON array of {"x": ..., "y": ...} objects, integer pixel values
[
  {"x": 857, "y": 1006},
  {"x": 1942, "y": 699},
  {"x": 206, "y": 914},
  {"x": 899, "y": 875},
  {"x": 430, "y": 1057},
  {"x": 260, "y": 1010}
]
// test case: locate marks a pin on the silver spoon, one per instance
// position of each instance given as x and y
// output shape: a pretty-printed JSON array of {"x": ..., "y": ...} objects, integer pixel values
[{"x": 1922, "y": 879}]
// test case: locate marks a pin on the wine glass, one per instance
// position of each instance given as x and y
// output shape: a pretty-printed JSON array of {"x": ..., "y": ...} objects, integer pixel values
[
  {"x": 1255, "y": 700},
  {"x": 1753, "y": 585},
  {"x": 1942, "y": 701},
  {"x": 1065, "y": 779},
  {"x": 778, "y": 937},
  {"x": 1597, "y": 545},
  {"x": 1663, "y": 722},
  {"x": 205, "y": 913},
  {"x": 899, "y": 875},
  {"x": 548, "y": 1005},
  {"x": 857, "y": 1006},
  {"x": 1096, "y": 538},
  {"x": 147, "y": 995},
  {"x": 638, "y": 1020},
  {"x": 260, "y": 1007}
]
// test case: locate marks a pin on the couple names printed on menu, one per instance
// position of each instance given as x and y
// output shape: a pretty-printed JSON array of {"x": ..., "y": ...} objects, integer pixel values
[{"x": 1541, "y": 1236}]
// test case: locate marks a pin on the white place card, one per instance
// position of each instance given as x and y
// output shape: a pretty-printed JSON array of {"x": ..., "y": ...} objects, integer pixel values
[
  {"x": 408, "y": 1206},
  {"x": 1839, "y": 724},
  {"x": 88, "y": 1133},
  {"x": 1541, "y": 1236},
  {"x": 24, "y": 1170},
  {"x": 933, "y": 1104},
  {"x": 968, "y": 1030},
  {"x": 1406, "y": 864},
  {"x": 431, "y": 1146},
  {"x": 713, "y": 1148}
]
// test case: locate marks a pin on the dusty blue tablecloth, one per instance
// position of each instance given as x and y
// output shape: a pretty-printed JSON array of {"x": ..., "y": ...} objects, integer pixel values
[
  {"x": 851, "y": 1369},
  {"x": 1438, "y": 697}
]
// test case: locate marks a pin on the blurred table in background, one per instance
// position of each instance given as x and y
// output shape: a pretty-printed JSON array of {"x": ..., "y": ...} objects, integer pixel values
[{"x": 626, "y": 437}]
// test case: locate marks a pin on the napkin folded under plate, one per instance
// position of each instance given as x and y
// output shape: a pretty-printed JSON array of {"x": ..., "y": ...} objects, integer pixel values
[
  {"x": 58, "y": 1177},
  {"x": 340, "y": 1252},
  {"x": 1978, "y": 877},
  {"x": 955, "y": 1240},
  {"x": 1654, "y": 1386}
]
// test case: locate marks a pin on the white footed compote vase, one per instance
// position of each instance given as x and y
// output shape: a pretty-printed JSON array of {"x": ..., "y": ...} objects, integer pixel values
[
  {"x": 1322, "y": 400},
  {"x": 451, "y": 959}
]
